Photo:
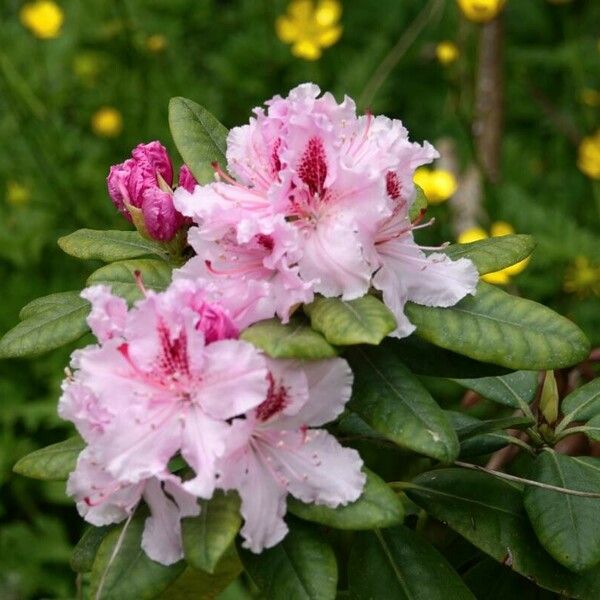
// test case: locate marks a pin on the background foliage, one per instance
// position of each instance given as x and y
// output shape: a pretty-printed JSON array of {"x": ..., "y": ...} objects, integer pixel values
[{"x": 225, "y": 54}]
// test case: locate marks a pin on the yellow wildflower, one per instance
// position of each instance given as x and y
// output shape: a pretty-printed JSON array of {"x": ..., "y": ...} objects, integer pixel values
[
  {"x": 446, "y": 52},
  {"x": 589, "y": 156},
  {"x": 107, "y": 122},
  {"x": 499, "y": 228},
  {"x": 590, "y": 97},
  {"x": 582, "y": 278},
  {"x": 17, "y": 194},
  {"x": 310, "y": 27},
  {"x": 437, "y": 184},
  {"x": 481, "y": 11},
  {"x": 43, "y": 18},
  {"x": 156, "y": 43}
]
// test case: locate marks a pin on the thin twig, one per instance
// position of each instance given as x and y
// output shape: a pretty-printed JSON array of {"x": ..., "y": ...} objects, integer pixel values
[
  {"x": 545, "y": 486},
  {"x": 394, "y": 56}
]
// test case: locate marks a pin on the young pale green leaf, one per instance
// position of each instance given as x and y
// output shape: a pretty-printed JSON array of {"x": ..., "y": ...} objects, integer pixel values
[
  {"x": 592, "y": 428},
  {"x": 199, "y": 137},
  {"x": 567, "y": 526},
  {"x": 389, "y": 398},
  {"x": 495, "y": 253},
  {"x": 549, "y": 398},
  {"x": 294, "y": 340},
  {"x": 48, "y": 324},
  {"x": 195, "y": 584},
  {"x": 109, "y": 246},
  {"x": 301, "y": 567},
  {"x": 419, "y": 205},
  {"x": 423, "y": 358},
  {"x": 489, "y": 513},
  {"x": 582, "y": 404},
  {"x": 207, "y": 537},
  {"x": 365, "y": 320},
  {"x": 398, "y": 563},
  {"x": 379, "y": 506},
  {"x": 123, "y": 571},
  {"x": 514, "y": 390},
  {"x": 494, "y": 326},
  {"x": 86, "y": 548},
  {"x": 120, "y": 276},
  {"x": 52, "y": 463}
]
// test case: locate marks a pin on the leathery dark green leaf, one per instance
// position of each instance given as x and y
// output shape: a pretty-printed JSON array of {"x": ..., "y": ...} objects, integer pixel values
[
  {"x": 390, "y": 399},
  {"x": 489, "y": 513},
  {"x": 494, "y": 326},
  {"x": 398, "y": 563}
]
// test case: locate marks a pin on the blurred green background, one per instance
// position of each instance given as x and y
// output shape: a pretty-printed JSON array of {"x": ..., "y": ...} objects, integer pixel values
[{"x": 76, "y": 96}]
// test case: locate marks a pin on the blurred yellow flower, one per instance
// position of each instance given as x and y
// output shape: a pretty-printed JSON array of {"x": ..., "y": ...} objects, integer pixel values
[
  {"x": 156, "y": 43},
  {"x": 499, "y": 228},
  {"x": 582, "y": 278},
  {"x": 590, "y": 97},
  {"x": 43, "y": 18},
  {"x": 446, "y": 52},
  {"x": 437, "y": 184},
  {"x": 589, "y": 156},
  {"x": 481, "y": 11},
  {"x": 107, "y": 122},
  {"x": 17, "y": 194},
  {"x": 310, "y": 27}
]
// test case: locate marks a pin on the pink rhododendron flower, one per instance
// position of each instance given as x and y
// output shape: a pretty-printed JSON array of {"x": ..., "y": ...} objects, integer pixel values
[
  {"x": 145, "y": 182},
  {"x": 333, "y": 184},
  {"x": 166, "y": 380},
  {"x": 274, "y": 451},
  {"x": 103, "y": 500}
]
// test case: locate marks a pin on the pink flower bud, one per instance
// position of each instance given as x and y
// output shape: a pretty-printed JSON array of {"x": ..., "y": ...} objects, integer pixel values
[
  {"x": 118, "y": 185},
  {"x": 154, "y": 159},
  {"x": 186, "y": 180},
  {"x": 161, "y": 219}
]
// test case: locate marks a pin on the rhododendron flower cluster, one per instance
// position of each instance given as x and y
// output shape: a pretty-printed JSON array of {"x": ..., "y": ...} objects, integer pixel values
[
  {"x": 141, "y": 189},
  {"x": 171, "y": 378},
  {"x": 316, "y": 201}
]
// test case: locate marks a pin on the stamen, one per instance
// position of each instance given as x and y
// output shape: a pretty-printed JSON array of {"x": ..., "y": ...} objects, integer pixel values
[
  {"x": 222, "y": 175},
  {"x": 139, "y": 281}
]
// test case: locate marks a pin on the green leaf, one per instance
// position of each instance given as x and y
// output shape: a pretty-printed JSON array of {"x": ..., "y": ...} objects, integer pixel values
[
  {"x": 200, "y": 585},
  {"x": 495, "y": 253},
  {"x": 582, "y": 404},
  {"x": 514, "y": 390},
  {"x": 567, "y": 526},
  {"x": 486, "y": 443},
  {"x": 397, "y": 563},
  {"x": 419, "y": 205},
  {"x": 301, "y": 567},
  {"x": 389, "y": 398},
  {"x": 506, "y": 583},
  {"x": 379, "y": 506},
  {"x": 592, "y": 428},
  {"x": 49, "y": 323},
  {"x": 123, "y": 571},
  {"x": 294, "y": 340},
  {"x": 489, "y": 513},
  {"x": 207, "y": 537},
  {"x": 120, "y": 276},
  {"x": 199, "y": 137},
  {"x": 494, "y": 326},
  {"x": 52, "y": 463},
  {"x": 365, "y": 320},
  {"x": 86, "y": 548},
  {"x": 423, "y": 358},
  {"x": 109, "y": 246},
  {"x": 50, "y": 302}
]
